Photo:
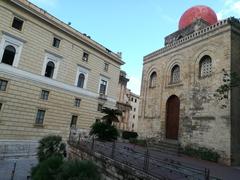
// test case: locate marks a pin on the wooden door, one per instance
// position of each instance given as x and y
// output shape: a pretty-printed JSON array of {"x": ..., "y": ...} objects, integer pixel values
[{"x": 172, "y": 117}]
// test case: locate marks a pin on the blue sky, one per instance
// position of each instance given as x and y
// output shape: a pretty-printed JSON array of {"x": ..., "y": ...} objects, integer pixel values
[{"x": 133, "y": 27}]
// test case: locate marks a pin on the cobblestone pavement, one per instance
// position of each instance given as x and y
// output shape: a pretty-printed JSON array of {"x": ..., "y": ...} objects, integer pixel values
[{"x": 22, "y": 169}]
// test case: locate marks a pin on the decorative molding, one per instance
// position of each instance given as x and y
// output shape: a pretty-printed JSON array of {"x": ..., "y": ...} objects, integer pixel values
[
  {"x": 17, "y": 73},
  {"x": 18, "y": 45}
]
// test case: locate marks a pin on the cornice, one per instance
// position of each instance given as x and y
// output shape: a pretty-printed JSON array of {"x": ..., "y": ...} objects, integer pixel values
[{"x": 42, "y": 14}]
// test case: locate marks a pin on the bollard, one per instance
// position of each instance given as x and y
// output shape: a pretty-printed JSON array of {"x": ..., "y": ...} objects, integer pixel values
[{"x": 13, "y": 171}]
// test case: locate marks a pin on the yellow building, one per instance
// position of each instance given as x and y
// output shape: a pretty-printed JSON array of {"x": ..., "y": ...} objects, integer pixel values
[{"x": 52, "y": 77}]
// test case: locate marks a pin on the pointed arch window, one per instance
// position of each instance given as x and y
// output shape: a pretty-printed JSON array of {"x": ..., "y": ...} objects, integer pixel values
[
  {"x": 9, "y": 55},
  {"x": 205, "y": 66},
  {"x": 175, "y": 74},
  {"x": 153, "y": 80},
  {"x": 50, "y": 69},
  {"x": 81, "y": 79}
]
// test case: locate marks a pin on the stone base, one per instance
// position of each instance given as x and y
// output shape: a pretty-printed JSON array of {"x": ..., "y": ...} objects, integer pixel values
[{"x": 17, "y": 148}]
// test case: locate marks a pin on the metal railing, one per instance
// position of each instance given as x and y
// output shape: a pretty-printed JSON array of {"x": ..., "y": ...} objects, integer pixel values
[{"x": 141, "y": 159}]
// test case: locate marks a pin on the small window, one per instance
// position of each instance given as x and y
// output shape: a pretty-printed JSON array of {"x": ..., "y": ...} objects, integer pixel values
[
  {"x": 77, "y": 102},
  {"x": 175, "y": 74},
  {"x": 74, "y": 121},
  {"x": 85, "y": 56},
  {"x": 103, "y": 87},
  {"x": 153, "y": 80},
  {"x": 9, "y": 55},
  {"x": 56, "y": 42},
  {"x": 81, "y": 79},
  {"x": 50, "y": 69},
  {"x": 205, "y": 66},
  {"x": 40, "y": 116},
  {"x": 134, "y": 109},
  {"x": 3, "y": 85},
  {"x": 44, "y": 95},
  {"x": 106, "y": 65},
  {"x": 17, "y": 23},
  {"x": 131, "y": 99},
  {"x": 100, "y": 106},
  {"x": 135, "y": 100},
  {"x": 1, "y": 105}
]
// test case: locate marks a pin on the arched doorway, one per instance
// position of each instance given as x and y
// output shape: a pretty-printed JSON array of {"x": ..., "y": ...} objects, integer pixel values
[{"x": 172, "y": 117}]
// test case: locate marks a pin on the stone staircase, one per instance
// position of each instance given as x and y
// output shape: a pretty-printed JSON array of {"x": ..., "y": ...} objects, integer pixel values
[{"x": 170, "y": 147}]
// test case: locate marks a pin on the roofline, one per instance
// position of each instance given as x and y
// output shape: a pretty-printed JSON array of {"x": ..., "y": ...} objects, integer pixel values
[
  {"x": 42, "y": 14},
  {"x": 190, "y": 37}
]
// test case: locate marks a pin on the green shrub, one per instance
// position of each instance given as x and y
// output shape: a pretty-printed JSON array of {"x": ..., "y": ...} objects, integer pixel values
[
  {"x": 202, "y": 153},
  {"x": 129, "y": 135},
  {"x": 51, "y": 146},
  {"x": 104, "y": 131},
  {"x": 47, "y": 169},
  {"x": 84, "y": 170},
  {"x": 140, "y": 142}
]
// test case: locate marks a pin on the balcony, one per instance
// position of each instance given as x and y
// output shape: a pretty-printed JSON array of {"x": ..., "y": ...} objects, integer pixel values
[{"x": 102, "y": 96}]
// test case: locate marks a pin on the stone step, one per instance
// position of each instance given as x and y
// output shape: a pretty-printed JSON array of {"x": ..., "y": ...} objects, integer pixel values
[{"x": 170, "y": 147}]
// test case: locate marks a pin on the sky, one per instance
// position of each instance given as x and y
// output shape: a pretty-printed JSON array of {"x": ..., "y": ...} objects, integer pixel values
[{"x": 133, "y": 27}]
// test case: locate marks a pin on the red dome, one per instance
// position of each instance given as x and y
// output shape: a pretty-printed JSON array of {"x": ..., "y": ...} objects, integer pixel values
[{"x": 197, "y": 12}]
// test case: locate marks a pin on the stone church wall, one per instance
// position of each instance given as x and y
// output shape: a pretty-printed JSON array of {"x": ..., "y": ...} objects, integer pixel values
[{"x": 203, "y": 123}]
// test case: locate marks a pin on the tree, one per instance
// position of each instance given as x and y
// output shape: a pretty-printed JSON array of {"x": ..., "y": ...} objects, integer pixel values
[
  {"x": 111, "y": 115},
  {"x": 230, "y": 81},
  {"x": 51, "y": 146},
  {"x": 75, "y": 169}
]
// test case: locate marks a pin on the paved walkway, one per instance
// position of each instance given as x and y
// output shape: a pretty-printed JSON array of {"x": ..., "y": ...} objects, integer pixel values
[{"x": 22, "y": 169}]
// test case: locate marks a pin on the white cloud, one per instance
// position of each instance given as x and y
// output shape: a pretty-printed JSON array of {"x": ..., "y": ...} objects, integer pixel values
[
  {"x": 134, "y": 85},
  {"x": 230, "y": 8}
]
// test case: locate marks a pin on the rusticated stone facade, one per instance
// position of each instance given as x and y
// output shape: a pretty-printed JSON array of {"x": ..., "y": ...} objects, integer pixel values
[
  {"x": 173, "y": 88},
  {"x": 52, "y": 77}
]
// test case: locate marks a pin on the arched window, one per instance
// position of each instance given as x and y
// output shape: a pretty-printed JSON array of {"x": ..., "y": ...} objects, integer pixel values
[
  {"x": 205, "y": 66},
  {"x": 175, "y": 74},
  {"x": 81, "y": 79},
  {"x": 153, "y": 80},
  {"x": 49, "y": 69},
  {"x": 8, "y": 55}
]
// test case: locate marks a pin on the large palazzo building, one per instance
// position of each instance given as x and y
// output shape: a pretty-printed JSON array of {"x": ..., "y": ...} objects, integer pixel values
[
  {"x": 52, "y": 77},
  {"x": 179, "y": 82}
]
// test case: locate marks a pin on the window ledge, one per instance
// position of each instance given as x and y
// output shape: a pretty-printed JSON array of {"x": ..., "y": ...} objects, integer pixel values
[
  {"x": 205, "y": 77},
  {"x": 170, "y": 85},
  {"x": 38, "y": 125}
]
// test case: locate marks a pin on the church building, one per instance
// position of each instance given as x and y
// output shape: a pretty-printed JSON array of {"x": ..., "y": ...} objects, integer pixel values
[{"x": 179, "y": 82}]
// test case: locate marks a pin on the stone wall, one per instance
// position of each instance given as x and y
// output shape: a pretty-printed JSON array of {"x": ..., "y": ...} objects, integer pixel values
[{"x": 203, "y": 123}]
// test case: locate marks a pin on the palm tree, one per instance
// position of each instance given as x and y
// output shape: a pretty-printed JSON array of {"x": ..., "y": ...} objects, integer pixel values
[{"x": 111, "y": 115}]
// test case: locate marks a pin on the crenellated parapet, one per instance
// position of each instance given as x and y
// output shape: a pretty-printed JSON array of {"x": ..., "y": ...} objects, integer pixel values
[{"x": 192, "y": 36}]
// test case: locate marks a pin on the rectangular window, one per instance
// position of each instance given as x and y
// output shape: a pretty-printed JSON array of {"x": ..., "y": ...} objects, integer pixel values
[
  {"x": 134, "y": 109},
  {"x": 133, "y": 116},
  {"x": 3, "y": 85},
  {"x": 56, "y": 42},
  {"x": 40, "y": 116},
  {"x": 103, "y": 87},
  {"x": 44, "y": 95},
  {"x": 100, "y": 106},
  {"x": 77, "y": 102},
  {"x": 74, "y": 121},
  {"x": 106, "y": 65},
  {"x": 135, "y": 100},
  {"x": 17, "y": 23},
  {"x": 85, "y": 56},
  {"x": 1, "y": 105}
]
